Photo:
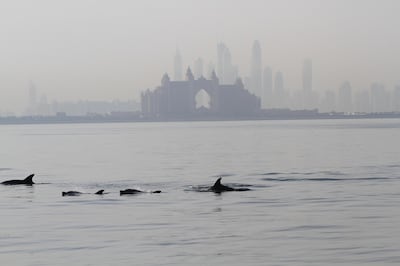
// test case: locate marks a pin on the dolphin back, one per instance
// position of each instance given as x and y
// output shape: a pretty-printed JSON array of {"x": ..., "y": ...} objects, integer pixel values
[
  {"x": 218, "y": 187},
  {"x": 26, "y": 181}
]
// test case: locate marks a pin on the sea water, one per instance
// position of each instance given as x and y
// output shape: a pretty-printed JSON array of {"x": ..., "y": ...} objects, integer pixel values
[{"x": 323, "y": 192}]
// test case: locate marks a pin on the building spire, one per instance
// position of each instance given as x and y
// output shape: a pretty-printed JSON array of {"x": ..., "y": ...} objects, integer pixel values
[
  {"x": 177, "y": 66},
  {"x": 189, "y": 74}
]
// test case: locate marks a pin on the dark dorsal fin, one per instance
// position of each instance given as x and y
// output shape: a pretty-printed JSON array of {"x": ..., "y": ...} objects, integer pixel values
[
  {"x": 28, "y": 179},
  {"x": 218, "y": 182},
  {"x": 218, "y": 187},
  {"x": 100, "y": 192}
]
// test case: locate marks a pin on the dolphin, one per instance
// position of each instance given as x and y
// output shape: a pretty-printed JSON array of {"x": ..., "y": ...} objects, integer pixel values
[
  {"x": 71, "y": 193},
  {"x": 27, "y": 181},
  {"x": 77, "y": 193},
  {"x": 100, "y": 192},
  {"x": 131, "y": 191},
  {"x": 218, "y": 187}
]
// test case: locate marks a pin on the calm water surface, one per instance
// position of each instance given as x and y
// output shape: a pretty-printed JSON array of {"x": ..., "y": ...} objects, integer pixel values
[{"x": 323, "y": 193}]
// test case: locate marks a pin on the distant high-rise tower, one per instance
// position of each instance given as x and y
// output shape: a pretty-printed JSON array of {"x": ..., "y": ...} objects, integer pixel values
[
  {"x": 267, "y": 88},
  {"x": 328, "y": 103},
  {"x": 221, "y": 50},
  {"x": 279, "y": 92},
  {"x": 307, "y": 75},
  {"x": 226, "y": 72},
  {"x": 198, "y": 68},
  {"x": 256, "y": 68},
  {"x": 307, "y": 84},
  {"x": 279, "y": 86},
  {"x": 210, "y": 70},
  {"x": 345, "y": 99},
  {"x": 230, "y": 72},
  {"x": 32, "y": 98},
  {"x": 396, "y": 99},
  {"x": 177, "y": 66},
  {"x": 362, "y": 103},
  {"x": 380, "y": 98}
]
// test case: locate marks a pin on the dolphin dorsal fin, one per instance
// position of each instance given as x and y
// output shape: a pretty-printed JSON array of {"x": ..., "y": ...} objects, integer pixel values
[
  {"x": 218, "y": 182},
  {"x": 28, "y": 179},
  {"x": 100, "y": 192}
]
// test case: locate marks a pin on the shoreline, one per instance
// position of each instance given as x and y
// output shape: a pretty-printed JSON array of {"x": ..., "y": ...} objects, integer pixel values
[{"x": 27, "y": 120}]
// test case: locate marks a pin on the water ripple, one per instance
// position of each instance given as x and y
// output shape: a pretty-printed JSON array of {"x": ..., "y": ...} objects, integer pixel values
[{"x": 322, "y": 179}]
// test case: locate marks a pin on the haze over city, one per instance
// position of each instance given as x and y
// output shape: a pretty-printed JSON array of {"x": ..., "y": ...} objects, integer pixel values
[
  {"x": 209, "y": 132},
  {"x": 102, "y": 50}
]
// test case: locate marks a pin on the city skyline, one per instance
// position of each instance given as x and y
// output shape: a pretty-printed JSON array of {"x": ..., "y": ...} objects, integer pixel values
[
  {"x": 77, "y": 50},
  {"x": 269, "y": 86}
]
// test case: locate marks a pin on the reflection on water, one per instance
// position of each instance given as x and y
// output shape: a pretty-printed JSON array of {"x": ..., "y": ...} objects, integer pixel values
[{"x": 322, "y": 193}]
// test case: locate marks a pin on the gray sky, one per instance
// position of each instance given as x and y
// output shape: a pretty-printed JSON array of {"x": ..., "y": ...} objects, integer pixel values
[{"x": 104, "y": 50}]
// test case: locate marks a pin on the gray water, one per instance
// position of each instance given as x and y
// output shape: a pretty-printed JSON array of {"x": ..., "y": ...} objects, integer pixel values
[{"x": 322, "y": 193}]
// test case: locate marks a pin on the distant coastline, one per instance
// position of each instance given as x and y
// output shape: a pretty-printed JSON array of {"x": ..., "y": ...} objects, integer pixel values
[{"x": 138, "y": 117}]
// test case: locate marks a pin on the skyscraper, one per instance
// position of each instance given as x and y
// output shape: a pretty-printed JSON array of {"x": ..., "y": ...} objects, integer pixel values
[
  {"x": 307, "y": 84},
  {"x": 328, "y": 103},
  {"x": 210, "y": 70},
  {"x": 32, "y": 99},
  {"x": 279, "y": 86},
  {"x": 266, "y": 100},
  {"x": 362, "y": 103},
  {"x": 226, "y": 72},
  {"x": 396, "y": 99},
  {"x": 279, "y": 93},
  {"x": 221, "y": 50},
  {"x": 345, "y": 99},
  {"x": 226, "y": 67},
  {"x": 198, "y": 68},
  {"x": 256, "y": 68},
  {"x": 380, "y": 98},
  {"x": 177, "y": 66},
  {"x": 307, "y": 75}
]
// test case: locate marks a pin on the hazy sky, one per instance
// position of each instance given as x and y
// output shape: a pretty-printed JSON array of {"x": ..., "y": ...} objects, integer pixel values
[{"x": 104, "y": 50}]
